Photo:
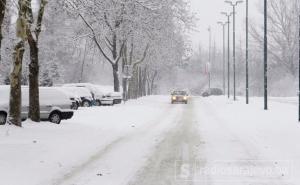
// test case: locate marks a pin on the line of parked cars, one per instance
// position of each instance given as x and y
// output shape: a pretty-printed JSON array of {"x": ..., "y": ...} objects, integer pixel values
[
  {"x": 59, "y": 102},
  {"x": 213, "y": 92}
]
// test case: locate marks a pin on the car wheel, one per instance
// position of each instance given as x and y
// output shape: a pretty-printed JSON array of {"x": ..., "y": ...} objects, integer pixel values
[
  {"x": 76, "y": 106},
  {"x": 98, "y": 103},
  {"x": 55, "y": 117},
  {"x": 86, "y": 104},
  {"x": 3, "y": 117}
]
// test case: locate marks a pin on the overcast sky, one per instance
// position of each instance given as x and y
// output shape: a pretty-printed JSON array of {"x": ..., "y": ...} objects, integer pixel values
[{"x": 208, "y": 13}]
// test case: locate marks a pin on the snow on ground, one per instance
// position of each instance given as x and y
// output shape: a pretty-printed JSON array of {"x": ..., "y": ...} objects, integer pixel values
[
  {"x": 143, "y": 141},
  {"x": 46, "y": 153},
  {"x": 287, "y": 100},
  {"x": 253, "y": 138}
]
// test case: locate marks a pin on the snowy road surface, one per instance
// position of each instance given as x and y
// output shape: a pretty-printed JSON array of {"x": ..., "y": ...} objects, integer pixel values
[{"x": 210, "y": 141}]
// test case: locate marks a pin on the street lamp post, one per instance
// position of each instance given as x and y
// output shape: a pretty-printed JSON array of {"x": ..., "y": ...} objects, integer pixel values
[
  {"x": 265, "y": 56},
  {"x": 299, "y": 75},
  {"x": 223, "y": 24},
  {"x": 228, "y": 51},
  {"x": 247, "y": 52},
  {"x": 209, "y": 60},
  {"x": 234, "y": 4}
]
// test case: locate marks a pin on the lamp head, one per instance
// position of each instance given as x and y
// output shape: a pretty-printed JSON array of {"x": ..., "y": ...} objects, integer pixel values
[
  {"x": 229, "y": 2},
  {"x": 233, "y": 3},
  {"x": 227, "y": 14}
]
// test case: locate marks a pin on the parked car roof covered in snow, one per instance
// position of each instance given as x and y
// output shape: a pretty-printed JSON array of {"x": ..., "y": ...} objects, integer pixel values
[
  {"x": 82, "y": 92},
  {"x": 4, "y": 94}
]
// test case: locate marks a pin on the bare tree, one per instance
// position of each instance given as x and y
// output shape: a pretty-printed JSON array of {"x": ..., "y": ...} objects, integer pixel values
[
  {"x": 33, "y": 32},
  {"x": 2, "y": 14},
  {"x": 283, "y": 33},
  {"x": 15, "y": 102}
]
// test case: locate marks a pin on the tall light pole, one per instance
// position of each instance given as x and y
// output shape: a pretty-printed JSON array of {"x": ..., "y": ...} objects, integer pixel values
[
  {"x": 223, "y": 24},
  {"x": 265, "y": 55},
  {"x": 228, "y": 51},
  {"x": 234, "y": 4},
  {"x": 247, "y": 52},
  {"x": 209, "y": 59},
  {"x": 299, "y": 74}
]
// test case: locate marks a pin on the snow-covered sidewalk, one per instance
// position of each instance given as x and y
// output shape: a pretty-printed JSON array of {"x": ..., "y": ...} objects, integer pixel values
[{"x": 252, "y": 139}]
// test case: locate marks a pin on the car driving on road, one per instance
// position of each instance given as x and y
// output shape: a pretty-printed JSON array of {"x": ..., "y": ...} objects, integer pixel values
[{"x": 179, "y": 97}]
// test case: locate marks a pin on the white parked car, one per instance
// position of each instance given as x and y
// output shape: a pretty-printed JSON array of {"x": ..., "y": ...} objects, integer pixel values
[
  {"x": 116, "y": 96},
  {"x": 98, "y": 96},
  {"x": 84, "y": 94},
  {"x": 72, "y": 95},
  {"x": 109, "y": 93},
  {"x": 4, "y": 105},
  {"x": 101, "y": 98},
  {"x": 54, "y": 104}
]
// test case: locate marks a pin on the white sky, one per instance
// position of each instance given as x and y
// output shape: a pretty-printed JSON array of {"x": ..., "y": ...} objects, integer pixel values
[{"x": 209, "y": 13}]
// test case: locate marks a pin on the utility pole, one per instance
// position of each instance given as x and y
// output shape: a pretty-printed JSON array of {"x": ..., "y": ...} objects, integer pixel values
[
  {"x": 209, "y": 59},
  {"x": 247, "y": 52},
  {"x": 299, "y": 73},
  {"x": 265, "y": 55},
  {"x": 223, "y": 24},
  {"x": 234, "y": 4},
  {"x": 228, "y": 51}
]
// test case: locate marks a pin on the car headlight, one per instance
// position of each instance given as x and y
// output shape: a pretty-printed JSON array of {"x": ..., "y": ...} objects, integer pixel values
[
  {"x": 185, "y": 97},
  {"x": 174, "y": 97}
]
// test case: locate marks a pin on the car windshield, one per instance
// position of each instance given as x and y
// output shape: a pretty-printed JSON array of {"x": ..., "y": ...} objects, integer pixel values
[{"x": 179, "y": 93}]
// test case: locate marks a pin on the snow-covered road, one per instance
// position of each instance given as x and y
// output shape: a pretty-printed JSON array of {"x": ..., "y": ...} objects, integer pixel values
[{"x": 211, "y": 141}]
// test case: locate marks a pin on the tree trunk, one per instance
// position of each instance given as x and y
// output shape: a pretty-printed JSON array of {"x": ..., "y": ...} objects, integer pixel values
[
  {"x": 145, "y": 82},
  {"x": 133, "y": 84},
  {"x": 34, "y": 104},
  {"x": 33, "y": 38},
  {"x": 124, "y": 85},
  {"x": 115, "y": 65},
  {"x": 140, "y": 82},
  {"x": 148, "y": 88},
  {"x": 152, "y": 81},
  {"x": 2, "y": 14},
  {"x": 116, "y": 77},
  {"x": 129, "y": 92},
  {"x": 15, "y": 102}
]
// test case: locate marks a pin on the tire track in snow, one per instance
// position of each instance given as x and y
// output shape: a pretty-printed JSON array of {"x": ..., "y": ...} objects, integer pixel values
[
  {"x": 173, "y": 161},
  {"x": 151, "y": 125}
]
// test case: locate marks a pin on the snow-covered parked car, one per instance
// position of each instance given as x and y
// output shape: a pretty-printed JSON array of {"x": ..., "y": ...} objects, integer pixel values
[
  {"x": 54, "y": 104},
  {"x": 83, "y": 93},
  {"x": 4, "y": 105},
  {"x": 116, "y": 96},
  {"x": 109, "y": 93},
  {"x": 97, "y": 95},
  {"x": 72, "y": 95},
  {"x": 101, "y": 98}
]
